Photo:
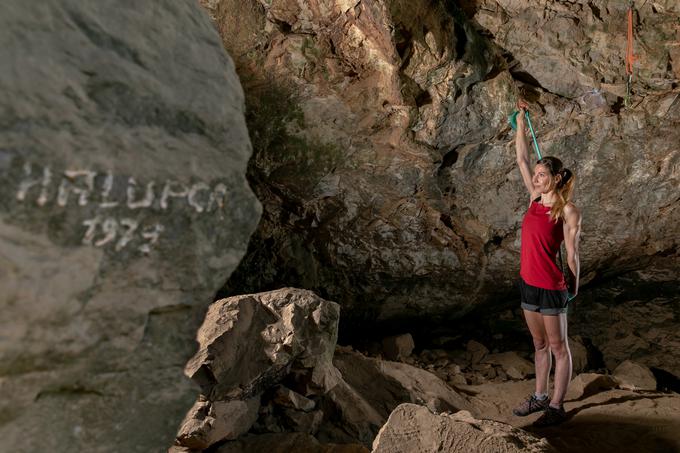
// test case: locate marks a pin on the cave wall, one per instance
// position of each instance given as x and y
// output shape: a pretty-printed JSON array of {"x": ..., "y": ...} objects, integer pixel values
[{"x": 385, "y": 163}]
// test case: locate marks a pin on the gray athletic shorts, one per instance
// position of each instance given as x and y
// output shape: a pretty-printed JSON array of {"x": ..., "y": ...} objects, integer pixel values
[{"x": 543, "y": 301}]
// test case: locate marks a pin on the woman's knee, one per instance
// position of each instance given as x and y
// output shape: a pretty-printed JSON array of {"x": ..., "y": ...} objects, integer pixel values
[
  {"x": 540, "y": 344},
  {"x": 559, "y": 348}
]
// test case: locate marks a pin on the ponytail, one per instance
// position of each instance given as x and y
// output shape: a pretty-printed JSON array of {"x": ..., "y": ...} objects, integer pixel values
[{"x": 563, "y": 189}]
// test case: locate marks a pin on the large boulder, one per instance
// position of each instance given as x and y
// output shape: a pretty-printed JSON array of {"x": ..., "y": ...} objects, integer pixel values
[
  {"x": 247, "y": 345},
  {"x": 270, "y": 332},
  {"x": 385, "y": 161},
  {"x": 123, "y": 152},
  {"x": 415, "y": 428},
  {"x": 634, "y": 376}
]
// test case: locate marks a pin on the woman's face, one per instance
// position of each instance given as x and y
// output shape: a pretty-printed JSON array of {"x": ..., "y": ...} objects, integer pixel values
[{"x": 542, "y": 178}]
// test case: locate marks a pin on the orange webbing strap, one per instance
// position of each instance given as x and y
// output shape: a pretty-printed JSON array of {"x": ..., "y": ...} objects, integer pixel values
[{"x": 630, "y": 56}]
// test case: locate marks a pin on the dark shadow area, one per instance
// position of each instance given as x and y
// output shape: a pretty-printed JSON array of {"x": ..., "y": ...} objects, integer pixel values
[
  {"x": 611, "y": 434},
  {"x": 614, "y": 401},
  {"x": 665, "y": 381}
]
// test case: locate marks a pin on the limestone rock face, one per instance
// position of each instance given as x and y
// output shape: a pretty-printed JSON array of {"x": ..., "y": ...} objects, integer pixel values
[
  {"x": 124, "y": 207},
  {"x": 385, "y": 162},
  {"x": 414, "y": 428}
]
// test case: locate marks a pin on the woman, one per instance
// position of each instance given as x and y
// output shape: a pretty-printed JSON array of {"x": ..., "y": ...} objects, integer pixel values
[{"x": 545, "y": 294}]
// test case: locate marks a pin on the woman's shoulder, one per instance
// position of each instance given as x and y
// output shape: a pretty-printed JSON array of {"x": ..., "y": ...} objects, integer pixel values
[{"x": 571, "y": 211}]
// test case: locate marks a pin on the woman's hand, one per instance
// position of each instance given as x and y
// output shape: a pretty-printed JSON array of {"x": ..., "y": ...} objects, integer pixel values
[{"x": 523, "y": 107}]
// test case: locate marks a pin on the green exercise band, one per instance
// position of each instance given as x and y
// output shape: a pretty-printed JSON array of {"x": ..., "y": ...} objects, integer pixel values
[{"x": 512, "y": 119}]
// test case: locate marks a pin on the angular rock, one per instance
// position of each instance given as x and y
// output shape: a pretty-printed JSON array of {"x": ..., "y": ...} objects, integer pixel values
[
  {"x": 124, "y": 208},
  {"x": 398, "y": 347},
  {"x": 178, "y": 449},
  {"x": 514, "y": 373},
  {"x": 414, "y": 428},
  {"x": 372, "y": 388},
  {"x": 270, "y": 332},
  {"x": 460, "y": 357},
  {"x": 481, "y": 367},
  {"x": 457, "y": 380},
  {"x": 247, "y": 345},
  {"x": 453, "y": 369},
  {"x": 634, "y": 376},
  {"x": 289, "y": 398},
  {"x": 269, "y": 421},
  {"x": 587, "y": 384},
  {"x": 357, "y": 418},
  {"x": 476, "y": 352},
  {"x": 303, "y": 422},
  {"x": 520, "y": 366},
  {"x": 209, "y": 422}
]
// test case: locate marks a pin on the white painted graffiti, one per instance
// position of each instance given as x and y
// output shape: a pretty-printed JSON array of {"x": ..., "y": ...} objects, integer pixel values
[
  {"x": 125, "y": 228},
  {"x": 102, "y": 230},
  {"x": 81, "y": 183}
]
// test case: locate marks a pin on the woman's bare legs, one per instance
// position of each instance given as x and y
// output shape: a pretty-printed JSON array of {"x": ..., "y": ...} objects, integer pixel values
[
  {"x": 541, "y": 347},
  {"x": 556, "y": 329}
]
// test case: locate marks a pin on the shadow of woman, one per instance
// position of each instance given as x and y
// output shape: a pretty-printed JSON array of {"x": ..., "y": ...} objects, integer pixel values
[{"x": 603, "y": 432}]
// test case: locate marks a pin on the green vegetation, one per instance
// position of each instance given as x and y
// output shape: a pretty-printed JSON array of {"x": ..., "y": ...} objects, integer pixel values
[{"x": 282, "y": 152}]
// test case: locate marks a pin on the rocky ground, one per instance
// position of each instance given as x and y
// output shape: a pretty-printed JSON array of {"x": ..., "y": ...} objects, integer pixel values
[
  {"x": 273, "y": 378},
  {"x": 609, "y": 420},
  {"x": 602, "y": 417}
]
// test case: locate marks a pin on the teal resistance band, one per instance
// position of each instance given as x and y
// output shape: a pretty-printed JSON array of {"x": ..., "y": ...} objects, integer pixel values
[{"x": 512, "y": 119}]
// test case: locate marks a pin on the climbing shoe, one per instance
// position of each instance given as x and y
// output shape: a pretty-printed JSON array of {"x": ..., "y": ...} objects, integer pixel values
[
  {"x": 551, "y": 416},
  {"x": 531, "y": 405}
]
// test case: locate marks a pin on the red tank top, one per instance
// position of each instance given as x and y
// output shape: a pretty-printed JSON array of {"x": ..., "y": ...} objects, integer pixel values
[{"x": 541, "y": 239}]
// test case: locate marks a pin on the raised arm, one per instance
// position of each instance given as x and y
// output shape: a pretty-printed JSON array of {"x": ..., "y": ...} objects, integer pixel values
[
  {"x": 572, "y": 233},
  {"x": 522, "y": 148}
]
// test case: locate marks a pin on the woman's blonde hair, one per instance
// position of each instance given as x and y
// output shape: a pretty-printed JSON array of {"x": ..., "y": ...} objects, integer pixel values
[{"x": 564, "y": 188}]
